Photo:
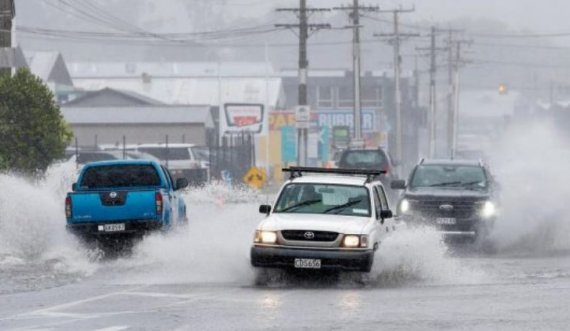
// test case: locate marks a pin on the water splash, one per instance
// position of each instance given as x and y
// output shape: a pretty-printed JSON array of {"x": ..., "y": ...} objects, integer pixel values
[{"x": 531, "y": 164}]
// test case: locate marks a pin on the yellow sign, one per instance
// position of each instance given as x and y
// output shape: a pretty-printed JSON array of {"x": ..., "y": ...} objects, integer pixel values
[{"x": 255, "y": 177}]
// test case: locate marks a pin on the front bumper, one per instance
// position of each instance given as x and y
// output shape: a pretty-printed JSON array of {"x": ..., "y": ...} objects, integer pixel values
[
  {"x": 465, "y": 228},
  {"x": 284, "y": 257},
  {"x": 132, "y": 228}
]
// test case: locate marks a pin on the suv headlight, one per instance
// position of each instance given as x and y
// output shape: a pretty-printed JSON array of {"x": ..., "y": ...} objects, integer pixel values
[
  {"x": 404, "y": 206},
  {"x": 488, "y": 210},
  {"x": 265, "y": 237}
]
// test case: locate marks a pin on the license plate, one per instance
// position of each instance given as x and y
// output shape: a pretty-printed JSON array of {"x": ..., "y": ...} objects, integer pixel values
[
  {"x": 114, "y": 227},
  {"x": 308, "y": 263},
  {"x": 446, "y": 221}
]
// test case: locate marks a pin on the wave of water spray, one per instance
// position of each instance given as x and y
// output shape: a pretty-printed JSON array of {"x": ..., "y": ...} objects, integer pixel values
[
  {"x": 35, "y": 250},
  {"x": 532, "y": 165}
]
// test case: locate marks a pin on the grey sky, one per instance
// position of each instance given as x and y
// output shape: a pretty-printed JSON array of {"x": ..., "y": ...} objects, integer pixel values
[{"x": 537, "y": 15}]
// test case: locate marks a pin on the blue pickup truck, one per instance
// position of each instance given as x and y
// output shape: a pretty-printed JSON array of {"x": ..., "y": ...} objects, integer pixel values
[{"x": 124, "y": 198}]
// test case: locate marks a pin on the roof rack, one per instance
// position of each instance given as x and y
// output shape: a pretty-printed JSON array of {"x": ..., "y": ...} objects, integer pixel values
[{"x": 370, "y": 174}]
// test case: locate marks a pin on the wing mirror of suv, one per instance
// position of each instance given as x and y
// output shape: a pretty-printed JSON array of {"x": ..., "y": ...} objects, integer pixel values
[
  {"x": 398, "y": 184},
  {"x": 181, "y": 183},
  {"x": 265, "y": 209},
  {"x": 384, "y": 214},
  {"x": 74, "y": 187}
]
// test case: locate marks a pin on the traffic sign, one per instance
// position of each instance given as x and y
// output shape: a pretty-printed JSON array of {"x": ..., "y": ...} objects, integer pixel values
[
  {"x": 302, "y": 117},
  {"x": 255, "y": 177}
]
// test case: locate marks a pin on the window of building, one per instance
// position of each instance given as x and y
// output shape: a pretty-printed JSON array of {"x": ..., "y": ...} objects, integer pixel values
[
  {"x": 325, "y": 97},
  {"x": 345, "y": 97},
  {"x": 371, "y": 97}
]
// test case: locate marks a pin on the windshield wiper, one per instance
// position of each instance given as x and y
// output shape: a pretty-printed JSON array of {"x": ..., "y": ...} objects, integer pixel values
[
  {"x": 300, "y": 204},
  {"x": 341, "y": 207},
  {"x": 445, "y": 184},
  {"x": 469, "y": 185}
]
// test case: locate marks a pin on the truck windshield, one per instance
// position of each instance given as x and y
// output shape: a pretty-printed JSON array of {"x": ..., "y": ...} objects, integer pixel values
[
  {"x": 170, "y": 153},
  {"x": 449, "y": 176},
  {"x": 113, "y": 176},
  {"x": 324, "y": 199}
]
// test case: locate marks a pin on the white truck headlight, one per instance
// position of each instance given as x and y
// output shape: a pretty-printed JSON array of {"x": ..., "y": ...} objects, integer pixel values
[
  {"x": 265, "y": 237},
  {"x": 488, "y": 210},
  {"x": 351, "y": 241}
]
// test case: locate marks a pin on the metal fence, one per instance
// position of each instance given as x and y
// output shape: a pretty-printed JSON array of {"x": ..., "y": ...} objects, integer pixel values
[{"x": 231, "y": 156}]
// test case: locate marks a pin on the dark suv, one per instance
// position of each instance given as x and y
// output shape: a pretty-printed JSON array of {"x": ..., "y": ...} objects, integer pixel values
[{"x": 457, "y": 197}]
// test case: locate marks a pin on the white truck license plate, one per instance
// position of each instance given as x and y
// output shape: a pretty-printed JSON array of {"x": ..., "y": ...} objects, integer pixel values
[
  {"x": 308, "y": 263},
  {"x": 114, "y": 227},
  {"x": 446, "y": 221}
]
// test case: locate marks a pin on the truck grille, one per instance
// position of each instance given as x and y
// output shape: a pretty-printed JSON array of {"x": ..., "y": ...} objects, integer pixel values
[
  {"x": 305, "y": 235},
  {"x": 446, "y": 208}
]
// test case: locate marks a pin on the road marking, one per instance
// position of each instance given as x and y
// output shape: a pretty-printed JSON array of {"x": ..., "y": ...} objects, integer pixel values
[
  {"x": 161, "y": 295},
  {"x": 50, "y": 310},
  {"x": 113, "y": 328}
]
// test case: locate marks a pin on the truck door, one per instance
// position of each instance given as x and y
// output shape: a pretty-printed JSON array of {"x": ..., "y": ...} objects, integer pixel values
[{"x": 389, "y": 225}]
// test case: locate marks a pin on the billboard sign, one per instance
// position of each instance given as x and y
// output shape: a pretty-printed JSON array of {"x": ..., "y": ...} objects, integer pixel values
[
  {"x": 243, "y": 117},
  {"x": 332, "y": 118}
]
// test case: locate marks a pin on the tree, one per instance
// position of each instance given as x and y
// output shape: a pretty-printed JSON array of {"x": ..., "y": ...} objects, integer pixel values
[{"x": 33, "y": 132}]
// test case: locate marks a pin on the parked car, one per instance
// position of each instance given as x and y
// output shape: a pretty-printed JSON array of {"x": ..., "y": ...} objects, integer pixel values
[
  {"x": 458, "y": 197},
  {"x": 180, "y": 159},
  {"x": 329, "y": 219},
  {"x": 83, "y": 156},
  {"x": 126, "y": 198}
]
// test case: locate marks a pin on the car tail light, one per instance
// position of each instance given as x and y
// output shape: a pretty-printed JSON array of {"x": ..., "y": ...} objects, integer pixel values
[
  {"x": 158, "y": 201},
  {"x": 68, "y": 207},
  {"x": 386, "y": 168}
]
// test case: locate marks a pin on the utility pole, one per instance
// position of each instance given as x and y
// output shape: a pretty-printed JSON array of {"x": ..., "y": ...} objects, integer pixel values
[
  {"x": 432, "y": 96},
  {"x": 355, "y": 10},
  {"x": 450, "y": 94},
  {"x": 432, "y": 117},
  {"x": 455, "y": 61},
  {"x": 7, "y": 14},
  {"x": 303, "y": 14},
  {"x": 396, "y": 40}
]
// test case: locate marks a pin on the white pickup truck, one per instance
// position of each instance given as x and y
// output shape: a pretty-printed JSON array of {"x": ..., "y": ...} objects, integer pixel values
[{"x": 329, "y": 219}]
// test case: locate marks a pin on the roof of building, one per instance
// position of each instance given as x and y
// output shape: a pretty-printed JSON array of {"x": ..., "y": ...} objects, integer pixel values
[
  {"x": 49, "y": 67},
  {"x": 171, "y": 69},
  {"x": 12, "y": 58},
  {"x": 137, "y": 99},
  {"x": 186, "y": 83},
  {"x": 133, "y": 115}
]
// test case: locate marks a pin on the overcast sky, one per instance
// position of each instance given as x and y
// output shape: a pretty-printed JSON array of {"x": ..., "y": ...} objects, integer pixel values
[{"x": 537, "y": 15}]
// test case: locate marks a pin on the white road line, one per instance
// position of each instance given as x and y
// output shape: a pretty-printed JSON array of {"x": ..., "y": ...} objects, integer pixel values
[
  {"x": 161, "y": 295},
  {"x": 114, "y": 328},
  {"x": 49, "y": 310}
]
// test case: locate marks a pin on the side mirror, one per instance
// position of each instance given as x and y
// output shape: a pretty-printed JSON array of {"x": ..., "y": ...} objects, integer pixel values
[
  {"x": 384, "y": 214},
  {"x": 181, "y": 183},
  {"x": 74, "y": 187},
  {"x": 398, "y": 184},
  {"x": 265, "y": 209}
]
